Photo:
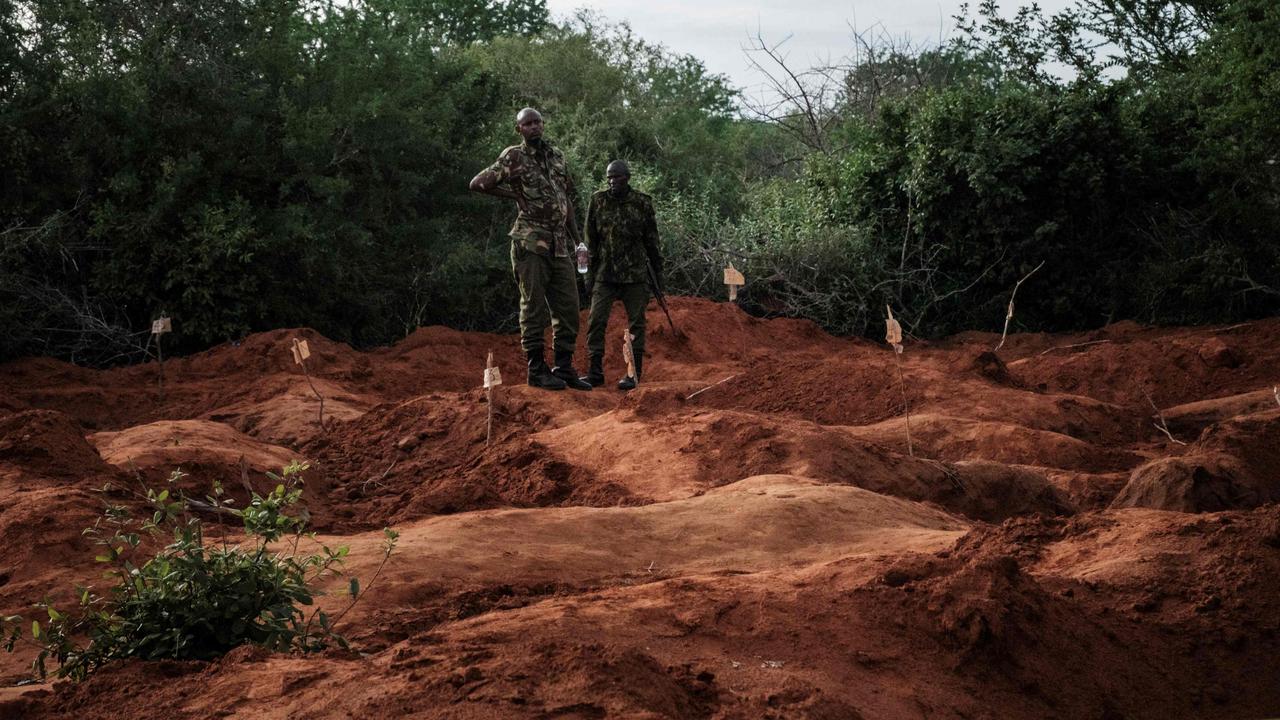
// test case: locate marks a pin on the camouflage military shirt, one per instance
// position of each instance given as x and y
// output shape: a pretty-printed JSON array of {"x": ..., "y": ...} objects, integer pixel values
[
  {"x": 546, "y": 196},
  {"x": 621, "y": 234}
]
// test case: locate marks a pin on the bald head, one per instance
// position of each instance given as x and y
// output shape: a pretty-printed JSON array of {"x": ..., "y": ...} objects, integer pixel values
[
  {"x": 529, "y": 125},
  {"x": 618, "y": 175}
]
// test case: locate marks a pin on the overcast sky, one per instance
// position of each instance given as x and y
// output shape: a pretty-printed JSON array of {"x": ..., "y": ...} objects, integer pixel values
[{"x": 715, "y": 31}]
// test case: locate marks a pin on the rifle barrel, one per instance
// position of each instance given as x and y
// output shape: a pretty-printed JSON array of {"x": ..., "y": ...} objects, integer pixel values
[{"x": 659, "y": 295}]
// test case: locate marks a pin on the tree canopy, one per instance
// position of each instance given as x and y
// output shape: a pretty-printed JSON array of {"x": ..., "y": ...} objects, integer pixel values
[{"x": 248, "y": 164}]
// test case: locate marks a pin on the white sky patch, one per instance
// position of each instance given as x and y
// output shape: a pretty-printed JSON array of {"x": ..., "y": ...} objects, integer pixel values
[{"x": 716, "y": 31}]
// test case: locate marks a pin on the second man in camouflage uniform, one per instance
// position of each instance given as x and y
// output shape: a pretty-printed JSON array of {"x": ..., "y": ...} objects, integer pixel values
[
  {"x": 535, "y": 175},
  {"x": 622, "y": 236}
]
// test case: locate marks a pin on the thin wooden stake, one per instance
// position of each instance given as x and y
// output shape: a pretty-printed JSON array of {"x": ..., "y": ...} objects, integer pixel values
[
  {"x": 300, "y": 354},
  {"x": 734, "y": 280},
  {"x": 628, "y": 354},
  {"x": 488, "y": 392},
  {"x": 893, "y": 336},
  {"x": 378, "y": 480},
  {"x": 244, "y": 475},
  {"x": 160, "y": 355},
  {"x": 1076, "y": 345},
  {"x": 696, "y": 394},
  {"x": 906, "y": 408},
  {"x": 158, "y": 328},
  {"x": 1009, "y": 314},
  {"x": 1162, "y": 426}
]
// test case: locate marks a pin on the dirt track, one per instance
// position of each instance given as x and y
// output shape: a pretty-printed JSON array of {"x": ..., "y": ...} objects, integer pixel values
[{"x": 768, "y": 548}]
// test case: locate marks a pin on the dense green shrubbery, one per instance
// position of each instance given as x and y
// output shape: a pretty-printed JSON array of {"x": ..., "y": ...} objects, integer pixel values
[
  {"x": 195, "y": 598},
  {"x": 253, "y": 165},
  {"x": 1152, "y": 196},
  {"x": 969, "y": 188},
  {"x": 246, "y": 165},
  {"x": 798, "y": 264}
]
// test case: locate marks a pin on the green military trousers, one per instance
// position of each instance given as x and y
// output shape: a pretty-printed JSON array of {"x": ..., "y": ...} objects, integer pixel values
[
  {"x": 634, "y": 297},
  {"x": 548, "y": 292}
]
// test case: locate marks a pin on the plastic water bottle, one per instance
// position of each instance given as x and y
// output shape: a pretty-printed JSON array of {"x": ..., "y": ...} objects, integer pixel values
[{"x": 583, "y": 256}]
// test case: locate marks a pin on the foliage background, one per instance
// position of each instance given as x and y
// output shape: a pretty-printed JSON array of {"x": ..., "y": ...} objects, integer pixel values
[{"x": 249, "y": 164}]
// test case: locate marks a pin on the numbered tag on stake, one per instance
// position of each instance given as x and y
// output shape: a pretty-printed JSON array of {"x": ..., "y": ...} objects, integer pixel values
[
  {"x": 161, "y": 326},
  {"x": 492, "y": 377},
  {"x": 628, "y": 353},
  {"x": 893, "y": 331},
  {"x": 734, "y": 280},
  {"x": 301, "y": 351}
]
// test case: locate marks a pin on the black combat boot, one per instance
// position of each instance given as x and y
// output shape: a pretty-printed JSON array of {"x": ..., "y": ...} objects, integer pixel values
[
  {"x": 564, "y": 372},
  {"x": 629, "y": 383},
  {"x": 595, "y": 372},
  {"x": 540, "y": 376}
]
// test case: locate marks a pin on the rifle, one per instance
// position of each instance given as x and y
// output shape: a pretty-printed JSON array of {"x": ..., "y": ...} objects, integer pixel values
[{"x": 658, "y": 295}]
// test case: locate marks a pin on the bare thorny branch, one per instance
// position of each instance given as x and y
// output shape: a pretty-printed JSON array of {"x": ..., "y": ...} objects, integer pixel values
[
  {"x": 800, "y": 103},
  {"x": 808, "y": 105}
]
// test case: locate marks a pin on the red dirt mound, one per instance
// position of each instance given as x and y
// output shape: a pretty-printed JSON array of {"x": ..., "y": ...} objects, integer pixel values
[
  {"x": 427, "y": 455},
  {"x": 195, "y": 385},
  {"x": 269, "y": 353},
  {"x": 699, "y": 450},
  {"x": 1031, "y": 600},
  {"x": 206, "y": 453},
  {"x": 861, "y": 388},
  {"x": 1024, "y": 620},
  {"x": 45, "y": 548},
  {"x": 1190, "y": 419},
  {"x": 1232, "y": 466},
  {"x": 713, "y": 333},
  {"x": 1174, "y": 366},
  {"x": 443, "y": 359},
  {"x": 284, "y": 409},
  {"x": 521, "y": 473},
  {"x": 604, "y": 555},
  {"x": 48, "y": 473},
  {"x": 1087, "y": 490},
  {"x": 954, "y": 439},
  {"x": 47, "y": 443}
]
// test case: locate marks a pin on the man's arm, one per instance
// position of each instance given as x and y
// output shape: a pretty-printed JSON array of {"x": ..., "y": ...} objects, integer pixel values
[
  {"x": 592, "y": 239},
  {"x": 592, "y": 232},
  {"x": 652, "y": 243},
  {"x": 573, "y": 224},
  {"x": 496, "y": 179},
  {"x": 571, "y": 193}
]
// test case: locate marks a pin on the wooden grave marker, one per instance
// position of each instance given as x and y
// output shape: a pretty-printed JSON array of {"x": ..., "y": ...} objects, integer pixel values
[
  {"x": 893, "y": 336},
  {"x": 301, "y": 351},
  {"x": 159, "y": 327},
  {"x": 492, "y": 379},
  {"x": 734, "y": 280},
  {"x": 628, "y": 353}
]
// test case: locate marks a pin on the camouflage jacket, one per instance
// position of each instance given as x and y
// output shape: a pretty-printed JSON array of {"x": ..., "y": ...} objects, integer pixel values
[
  {"x": 621, "y": 234},
  {"x": 546, "y": 196}
]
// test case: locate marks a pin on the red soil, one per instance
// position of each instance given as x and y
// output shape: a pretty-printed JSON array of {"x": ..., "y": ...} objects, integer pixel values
[{"x": 772, "y": 546}]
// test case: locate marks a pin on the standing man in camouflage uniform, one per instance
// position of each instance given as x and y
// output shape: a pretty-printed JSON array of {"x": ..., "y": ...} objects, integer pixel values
[
  {"x": 622, "y": 235},
  {"x": 535, "y": 175}
]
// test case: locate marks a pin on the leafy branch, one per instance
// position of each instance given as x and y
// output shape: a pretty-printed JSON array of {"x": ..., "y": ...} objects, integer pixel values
[{"x": 195, "y": 599}]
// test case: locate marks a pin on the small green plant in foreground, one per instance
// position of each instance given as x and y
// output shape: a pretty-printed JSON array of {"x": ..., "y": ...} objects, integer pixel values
[{"x": 196, "y": 598}]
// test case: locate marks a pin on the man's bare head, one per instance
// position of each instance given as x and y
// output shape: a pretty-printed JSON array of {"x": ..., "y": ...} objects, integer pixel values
[
  {"x": 529, "y": 124},
  {"x": 619, "y": 177}
]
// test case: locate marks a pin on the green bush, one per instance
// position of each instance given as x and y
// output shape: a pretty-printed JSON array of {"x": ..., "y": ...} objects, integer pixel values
[
  {"x": 797, "y": 264},
  {"x": 196, "y": 598}
]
